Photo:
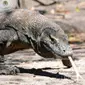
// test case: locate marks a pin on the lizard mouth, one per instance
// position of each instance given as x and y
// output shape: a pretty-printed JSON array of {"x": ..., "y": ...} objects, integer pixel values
[
  {"x": 63, "y": 54},
  {"x": 58, "y": 52}
]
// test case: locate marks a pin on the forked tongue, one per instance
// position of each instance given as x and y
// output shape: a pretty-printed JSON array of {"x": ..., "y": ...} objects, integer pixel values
[{"x": 75, "y": 68}]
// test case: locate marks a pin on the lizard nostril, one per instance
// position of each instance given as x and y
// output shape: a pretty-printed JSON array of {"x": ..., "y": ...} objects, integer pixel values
[{"x": 63, "y": 50}]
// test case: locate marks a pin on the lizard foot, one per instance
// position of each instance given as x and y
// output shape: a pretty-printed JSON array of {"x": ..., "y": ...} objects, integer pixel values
[{"x": 9, "y": 70}]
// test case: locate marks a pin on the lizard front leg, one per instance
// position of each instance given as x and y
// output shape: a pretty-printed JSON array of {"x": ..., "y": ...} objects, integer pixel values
[{"x": 7, "y": 69}]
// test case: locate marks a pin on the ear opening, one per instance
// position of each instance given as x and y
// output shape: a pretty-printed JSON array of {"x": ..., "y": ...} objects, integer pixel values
[{"x": 5, "y": 3}]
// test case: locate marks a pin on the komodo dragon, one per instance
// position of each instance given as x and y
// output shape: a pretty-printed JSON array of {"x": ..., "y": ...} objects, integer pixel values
[{"x": 23, "y": 29}]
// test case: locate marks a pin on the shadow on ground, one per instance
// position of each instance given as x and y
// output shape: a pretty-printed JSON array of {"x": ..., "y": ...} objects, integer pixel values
[{"x": 40, "y": 72}]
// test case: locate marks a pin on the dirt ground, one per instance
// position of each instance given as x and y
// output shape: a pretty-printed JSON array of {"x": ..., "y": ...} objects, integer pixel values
[{"x": 35, "y": 70}]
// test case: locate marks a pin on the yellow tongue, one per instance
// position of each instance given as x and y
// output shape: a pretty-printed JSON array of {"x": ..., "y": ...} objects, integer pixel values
[{"x": 75, "y": 68}]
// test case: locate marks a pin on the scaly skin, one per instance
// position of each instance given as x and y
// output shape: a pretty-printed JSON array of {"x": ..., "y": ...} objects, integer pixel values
[{"x": 23, "y": 29}]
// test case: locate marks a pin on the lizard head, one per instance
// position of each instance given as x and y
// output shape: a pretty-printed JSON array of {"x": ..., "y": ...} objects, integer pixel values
[{"x": 55, "y": 41}]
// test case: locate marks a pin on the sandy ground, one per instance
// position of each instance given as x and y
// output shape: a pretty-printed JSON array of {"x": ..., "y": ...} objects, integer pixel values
[{"x": 38, "y": 71}]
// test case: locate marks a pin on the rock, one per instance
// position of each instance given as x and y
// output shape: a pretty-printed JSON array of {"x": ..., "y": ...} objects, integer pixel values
[
  {"x": 81, "y": 5},
  {"x": 60, "y": 8}
]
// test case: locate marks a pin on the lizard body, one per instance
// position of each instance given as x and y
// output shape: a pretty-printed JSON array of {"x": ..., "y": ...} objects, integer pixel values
[{"x": 23, "y": 29}]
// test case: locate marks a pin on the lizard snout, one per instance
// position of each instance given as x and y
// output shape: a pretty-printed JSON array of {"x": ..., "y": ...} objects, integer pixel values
[{"x": 67, "y": 52}]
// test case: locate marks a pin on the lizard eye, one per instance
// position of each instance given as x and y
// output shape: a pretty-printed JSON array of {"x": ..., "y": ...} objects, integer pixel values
[{"x": 54, "y": 39}]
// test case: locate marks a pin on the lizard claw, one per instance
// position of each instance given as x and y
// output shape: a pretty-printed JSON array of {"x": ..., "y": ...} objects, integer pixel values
[{"x": 9, "y": 70}]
